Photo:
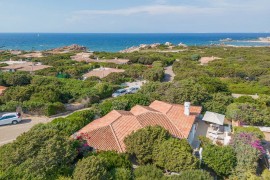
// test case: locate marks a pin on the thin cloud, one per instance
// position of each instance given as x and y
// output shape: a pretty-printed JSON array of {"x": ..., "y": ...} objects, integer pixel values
[
  {"x": 161, "y": 1},
  {"x": 151, "y": 10}
]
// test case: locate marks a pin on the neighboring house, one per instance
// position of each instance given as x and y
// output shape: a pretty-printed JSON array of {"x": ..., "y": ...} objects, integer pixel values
[
  {"x": 82, "y": 56},
  {"x": 36, "y": 54},
  {"x": 85, "y": 56},
  {"x": 114, "y": 61},
  {"x": 10, "y": 62},
  {"x": 2, "y": 89},
  {"x": 109, "y": 132},
  {"x": 25, "y": 66},
  {"x": 102, "y": 72},
  {"x": 15, "y": 52}
]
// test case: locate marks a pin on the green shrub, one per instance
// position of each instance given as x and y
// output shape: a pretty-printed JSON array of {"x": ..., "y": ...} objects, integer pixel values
[
  {"x": 218, "y": 103},
  {"x": 115, "y": 160},
  {"x": 195, "y": 57},
  {"x": 116, "y": 78},
  {"x": 249, "y": 113},
  {"x": 245, "y": 99},
  {"x": 92, "y": 167},
  {"x": 221, "y": 159},
  {"x": 174, "y": 155},
  {"x": 254, "y": 130},
  {"x": 186, "y": 90},
  {"x": 248, "y": 150},
  {"x": 73, "y": 122},
  {"x": 148, "y": 172},
  {"x": 266, "y": 174},
  {"x": 122, "y": 103},
  {"x": 205, "y": 141},
  {"x": 17, "y": 79},
  {"x": 41, "y": 153},
  {"x": 142, "y": 142},
  {"x": 192, "y": 175},
  {"x": 121, "y": 174},
  {"x": 154, "y": 74},
  {"x": 54, "y": 108},
  {"x": 10, "y": 106}
]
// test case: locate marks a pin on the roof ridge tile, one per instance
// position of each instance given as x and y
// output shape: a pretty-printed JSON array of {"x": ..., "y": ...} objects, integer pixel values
[{"x": 115, "y": 137}]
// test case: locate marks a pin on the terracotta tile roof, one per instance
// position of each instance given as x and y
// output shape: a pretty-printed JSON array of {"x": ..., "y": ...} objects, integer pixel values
[
  {"x": 138, "y": 110},
  {"x": 2, "y": 89},
  {"x": 183, "y": 122},
  {"x": 108, "y": 132},
  {"x": 104, "y": 121},
  {"x": 161, "y": 106},
  {"x": 123, "y": 127},
  {"x": 103, "y": 139},
  {"x": 153, "y": 119}
]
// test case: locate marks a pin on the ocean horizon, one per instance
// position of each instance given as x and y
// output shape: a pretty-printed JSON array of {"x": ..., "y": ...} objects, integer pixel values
[{"x": 113, "y": 42}]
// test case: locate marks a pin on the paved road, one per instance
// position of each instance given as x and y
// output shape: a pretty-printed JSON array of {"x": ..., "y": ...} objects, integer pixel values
[
  {"x": 8, "y": 133},
  {"x": 169, "y": 74}
]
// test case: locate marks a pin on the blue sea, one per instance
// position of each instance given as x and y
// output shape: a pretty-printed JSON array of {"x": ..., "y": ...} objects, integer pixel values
[{"x": 117, "y": 42}]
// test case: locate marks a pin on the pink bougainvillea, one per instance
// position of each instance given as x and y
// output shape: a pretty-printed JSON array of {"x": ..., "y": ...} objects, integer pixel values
[{"x": 248, "y": 149}]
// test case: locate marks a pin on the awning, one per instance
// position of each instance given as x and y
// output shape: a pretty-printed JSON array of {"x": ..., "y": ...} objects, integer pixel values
[{"x": 214, "y": 118}]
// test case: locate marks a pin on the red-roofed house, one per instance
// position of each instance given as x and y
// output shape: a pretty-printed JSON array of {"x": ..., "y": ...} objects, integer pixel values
[
  {"x": 2, "y": 89},
  {"x": 108, "y": 132}
]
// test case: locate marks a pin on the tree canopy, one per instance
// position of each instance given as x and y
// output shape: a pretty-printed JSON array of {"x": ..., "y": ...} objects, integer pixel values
[
  {"x": 142, "y": 142},
  {"x": 174, "y": 155},
  {"x": 221, "y": 159}
]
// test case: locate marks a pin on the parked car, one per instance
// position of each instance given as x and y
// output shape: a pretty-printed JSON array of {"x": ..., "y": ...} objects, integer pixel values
[
  {"x": 133, "y": 90},
  {"x": 119, "y": 92},
  {"x": 10, "y": 118}
]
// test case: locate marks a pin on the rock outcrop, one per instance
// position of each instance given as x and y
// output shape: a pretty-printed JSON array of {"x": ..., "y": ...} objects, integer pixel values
[{"x": 73, "y": 47}]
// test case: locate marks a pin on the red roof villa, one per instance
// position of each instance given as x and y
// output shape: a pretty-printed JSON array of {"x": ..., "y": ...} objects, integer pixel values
[{"x": 108, "y": 132}]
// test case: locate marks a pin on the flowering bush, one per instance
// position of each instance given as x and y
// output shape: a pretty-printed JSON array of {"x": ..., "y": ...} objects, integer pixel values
[
  {"x": 249, "y": 139},
  {"x": 257, "y": 144},
  {"x": 82, "y": 147},
  {"x": 248, "y": 150}
]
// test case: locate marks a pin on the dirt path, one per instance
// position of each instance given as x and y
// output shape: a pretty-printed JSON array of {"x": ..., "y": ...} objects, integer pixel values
[{"x": 169, "y": 74}]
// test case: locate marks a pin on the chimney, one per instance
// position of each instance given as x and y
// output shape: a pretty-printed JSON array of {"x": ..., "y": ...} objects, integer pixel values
[{"x": 187, "y": 108}]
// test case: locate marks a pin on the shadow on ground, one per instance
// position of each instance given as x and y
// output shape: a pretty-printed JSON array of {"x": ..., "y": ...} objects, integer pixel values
[{"x": 25, "y": 121}]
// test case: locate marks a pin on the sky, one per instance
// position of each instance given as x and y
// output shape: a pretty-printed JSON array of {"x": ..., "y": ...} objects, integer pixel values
[{"x": 134, "y": 16}]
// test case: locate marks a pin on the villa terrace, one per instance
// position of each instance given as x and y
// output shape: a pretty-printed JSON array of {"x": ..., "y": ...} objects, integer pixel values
[{"x": 215, "y": 127}]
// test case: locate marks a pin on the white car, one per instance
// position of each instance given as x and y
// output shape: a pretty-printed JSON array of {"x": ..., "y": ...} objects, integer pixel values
[
  {"x": 133, "y": 90},
  {"x": 10, "y": 118},
  {"x": 119, "y": 92}
]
